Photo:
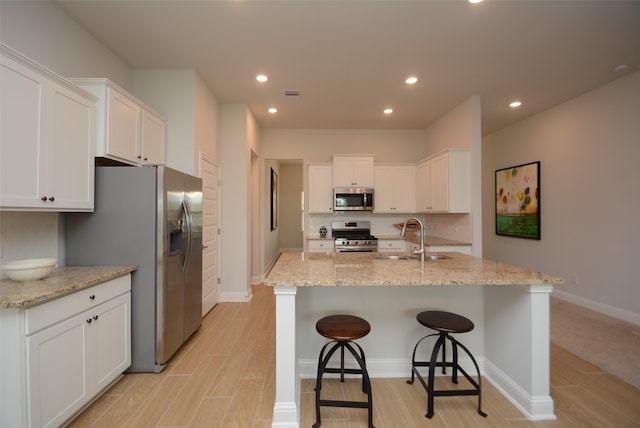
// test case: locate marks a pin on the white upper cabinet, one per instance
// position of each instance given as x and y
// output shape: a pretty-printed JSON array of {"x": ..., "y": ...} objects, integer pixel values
[
  {"x": 128, "y": 131},
  {"x": 152, "y": 145},
  {"x": 395, "y": 188},
  {"x": 353, "y": 171},
  {"x": 443, "y": 183},
  {"x": 46, "y": 139},
  {"x": 320, "y": 189}
]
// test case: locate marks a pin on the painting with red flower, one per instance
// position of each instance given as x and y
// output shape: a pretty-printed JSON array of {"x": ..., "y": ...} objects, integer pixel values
[{"x": 518, "y": 201}]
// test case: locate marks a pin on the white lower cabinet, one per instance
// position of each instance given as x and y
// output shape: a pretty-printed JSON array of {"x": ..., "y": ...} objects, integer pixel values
[
  {"x": 392, "y": 245},
  {"x": 321, "y": 246},
  {"x": 75, "y": 347}
]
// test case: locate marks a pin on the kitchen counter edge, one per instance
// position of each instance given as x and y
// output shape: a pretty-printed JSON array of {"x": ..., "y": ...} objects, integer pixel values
[
  {"x": 61, "y": 282},
  {"x": 365, "y": 269}
]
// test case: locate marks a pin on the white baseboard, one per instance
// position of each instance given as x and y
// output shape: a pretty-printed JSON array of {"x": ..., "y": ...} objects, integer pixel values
[
  {"x": 535, "y": 408},
  {"x": 611, "y": 311}
]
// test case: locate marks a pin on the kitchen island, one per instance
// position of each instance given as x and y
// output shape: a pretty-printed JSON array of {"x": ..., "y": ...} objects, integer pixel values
[{"x": 508, "y": 305}]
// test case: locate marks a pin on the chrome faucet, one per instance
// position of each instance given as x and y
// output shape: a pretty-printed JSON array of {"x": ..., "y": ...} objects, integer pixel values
[{"x": 404, "y": 229}]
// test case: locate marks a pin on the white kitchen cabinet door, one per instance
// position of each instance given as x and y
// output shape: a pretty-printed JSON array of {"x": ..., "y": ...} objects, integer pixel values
[
  {"x": 442, "y": 183},
  {"x": 71, "y": 136},
  {"x": 123, "y": 120},
  {"x": 23, "y": 148},
  {"x": 395, "y": 188},
  {"x": 353, "y": 171},
  {"x": 112, "y": 346},
  {"x": 152, "y": 145},
  {"x": 320, "y": 189},
  {"x": 47, "y": 140},
  {"x": 57, "y": 378}
]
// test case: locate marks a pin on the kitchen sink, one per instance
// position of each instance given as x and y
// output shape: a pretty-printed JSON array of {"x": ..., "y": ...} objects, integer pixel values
[{"x": 432, "y": 256}]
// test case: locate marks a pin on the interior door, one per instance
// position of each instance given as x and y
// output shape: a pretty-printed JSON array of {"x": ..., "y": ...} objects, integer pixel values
[{"x": 210, "y": 238}]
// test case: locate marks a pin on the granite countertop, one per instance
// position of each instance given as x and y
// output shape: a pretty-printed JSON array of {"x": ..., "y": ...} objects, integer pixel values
[
  {"x": 60, "y": 282},
  {"x": 335, "y": 269}
]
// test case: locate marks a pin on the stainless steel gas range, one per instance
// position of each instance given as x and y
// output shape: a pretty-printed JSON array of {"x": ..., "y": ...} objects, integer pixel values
[{"x": 353, "y": 236}]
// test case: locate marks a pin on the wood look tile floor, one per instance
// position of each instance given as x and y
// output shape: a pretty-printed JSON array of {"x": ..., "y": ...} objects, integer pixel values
[{"x": 224, "y": 376}]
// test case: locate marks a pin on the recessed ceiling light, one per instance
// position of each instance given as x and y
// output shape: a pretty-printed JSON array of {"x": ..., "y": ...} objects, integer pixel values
[
  {"x": 515, "y": 104},
  {"x": 475, "y": 1},
  {"x": 273, "y": 110},
  {"x": 388, "y": 111},
  {"x": 411, "y": 80},
  {"x": 261, "y": 78}
]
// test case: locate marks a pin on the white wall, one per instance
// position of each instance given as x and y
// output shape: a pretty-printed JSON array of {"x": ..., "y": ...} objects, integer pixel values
[
  {"x": 318, "y": 145},
  {"x": 460, "y": 128},
  {"x": 207, "y": 123},
  {"x": 291, "y": 179},
  {"x": 589, "y": 149},
  {"x": 239, "y": 136},
  {"x": 172, "y": 93},
  {"x": 44, "y": 33}
]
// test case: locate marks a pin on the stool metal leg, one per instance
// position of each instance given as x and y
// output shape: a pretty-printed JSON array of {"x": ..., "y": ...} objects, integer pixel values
[
  {"x": 323, "y": 360},
  {"x": 431, "y": 380},
  {"x": 429, "y": 385}
]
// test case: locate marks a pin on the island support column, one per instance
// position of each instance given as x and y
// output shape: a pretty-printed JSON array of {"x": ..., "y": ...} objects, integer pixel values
[
  {"x": 285, "y": 409},
  {"x": 517, "y": 346}
]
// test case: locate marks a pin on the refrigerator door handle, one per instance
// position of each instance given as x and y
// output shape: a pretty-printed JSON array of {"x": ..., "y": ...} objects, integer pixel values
[{"x": 186, "y": 212}]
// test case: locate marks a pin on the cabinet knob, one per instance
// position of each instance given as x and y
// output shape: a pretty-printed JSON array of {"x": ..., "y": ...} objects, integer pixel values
[
  {"x": 146, "y": 159},
  {"x": 95, "y": 317},
  {"x": 44, "y": 199},
  {"x": 139, "y": 157},
  {"x": 92, "y": 297},
  {"x": 51, "y": 198},
  {"x": 89, "y": 321}
]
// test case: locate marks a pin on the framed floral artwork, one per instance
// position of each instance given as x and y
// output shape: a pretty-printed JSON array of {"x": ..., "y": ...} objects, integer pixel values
[{"x": 518, "y": 201}]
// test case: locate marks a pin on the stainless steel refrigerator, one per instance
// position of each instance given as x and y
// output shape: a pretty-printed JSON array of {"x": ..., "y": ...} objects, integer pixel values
[{"x": 150, "y": 217}]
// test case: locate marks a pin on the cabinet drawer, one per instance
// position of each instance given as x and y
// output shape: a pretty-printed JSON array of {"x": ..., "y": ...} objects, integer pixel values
[
  {"x": 320, "y": 246},
  {"x": 49, "y": 313},
  {"x": 392, "y": 245}
]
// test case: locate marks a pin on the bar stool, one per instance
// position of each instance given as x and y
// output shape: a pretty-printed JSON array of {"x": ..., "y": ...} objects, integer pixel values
[
  {"x": 445, "y": 323},
  {"x": 342, "y": 330}
]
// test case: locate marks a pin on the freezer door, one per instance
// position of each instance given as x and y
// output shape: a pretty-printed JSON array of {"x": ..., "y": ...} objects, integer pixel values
[
  {"x": 170, "y": 323},
  {"x": 193, "y": 265}
]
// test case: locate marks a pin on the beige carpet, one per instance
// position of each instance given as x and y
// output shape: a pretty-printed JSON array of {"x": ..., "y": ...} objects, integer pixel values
[{"x": 606, "y": 342}]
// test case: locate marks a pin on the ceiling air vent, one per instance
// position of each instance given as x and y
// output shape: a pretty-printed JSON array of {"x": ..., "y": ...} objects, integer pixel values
[{"x": 291, "y": 94}]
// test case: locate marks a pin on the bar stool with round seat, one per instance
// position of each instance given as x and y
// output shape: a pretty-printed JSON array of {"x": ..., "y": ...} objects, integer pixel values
[
  {"x": 343, "y": 330},
  {"x": 445, "y": 323}
]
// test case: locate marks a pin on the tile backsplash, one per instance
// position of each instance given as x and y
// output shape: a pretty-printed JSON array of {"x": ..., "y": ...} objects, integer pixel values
[{"x": 27, "y": 235}]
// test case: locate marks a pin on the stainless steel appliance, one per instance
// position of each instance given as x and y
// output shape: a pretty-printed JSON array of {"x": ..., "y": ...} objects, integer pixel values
[
  {"x": 353, "y": 236},
  {"x": 150, "y": 217},
  {"x": 353, "y": 199}
]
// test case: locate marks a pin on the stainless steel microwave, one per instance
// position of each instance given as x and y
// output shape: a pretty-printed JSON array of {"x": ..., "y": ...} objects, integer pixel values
[{"x": 352, "y": 199}]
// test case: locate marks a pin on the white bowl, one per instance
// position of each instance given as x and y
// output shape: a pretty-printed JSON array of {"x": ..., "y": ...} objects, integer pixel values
[{"x": 30, "y": 269}]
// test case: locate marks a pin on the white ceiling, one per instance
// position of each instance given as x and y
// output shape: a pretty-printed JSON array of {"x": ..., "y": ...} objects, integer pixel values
[{"x": 349, "y": 59}]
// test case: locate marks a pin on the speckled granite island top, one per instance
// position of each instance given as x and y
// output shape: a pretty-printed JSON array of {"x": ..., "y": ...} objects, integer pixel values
[
  {"x": 60, "y": 282},
  {"x": 334, "y": 269}
]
